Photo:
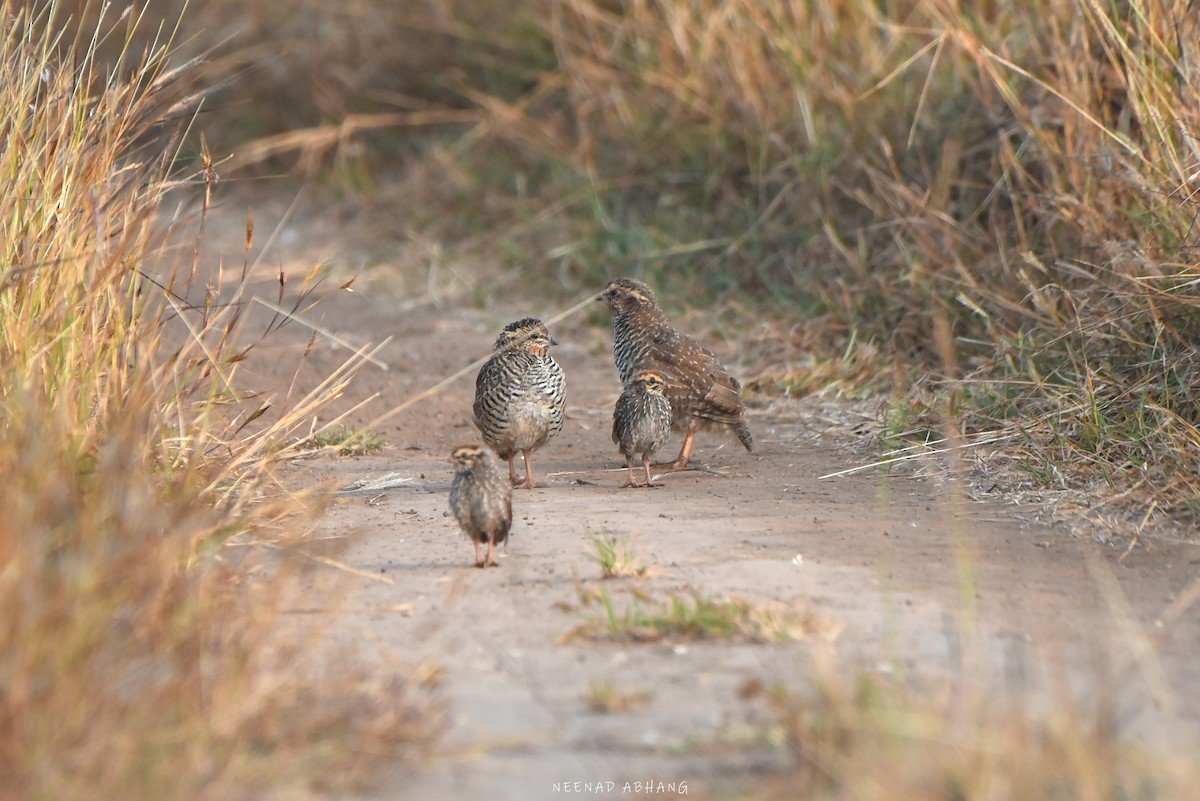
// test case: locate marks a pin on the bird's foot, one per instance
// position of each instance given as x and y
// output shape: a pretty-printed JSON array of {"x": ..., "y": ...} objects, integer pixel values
[
  {"x": 491, "y": 563},
  {"x": 481, "y": 563},
  {"x": 527, "y": 483}
]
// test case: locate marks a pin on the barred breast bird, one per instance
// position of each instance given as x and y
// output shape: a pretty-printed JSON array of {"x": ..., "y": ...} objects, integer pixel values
[
  {"x": 481, "y": 499},
  {"x": 520, "y": 395},
  {"x": 642, "y": 420},
  {"x": 701, "y": 392}
]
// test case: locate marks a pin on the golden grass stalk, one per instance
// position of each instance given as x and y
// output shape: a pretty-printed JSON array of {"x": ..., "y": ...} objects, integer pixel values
[
  {"x": 134, "y": 661},
  {"x": 873, "y": 738}
]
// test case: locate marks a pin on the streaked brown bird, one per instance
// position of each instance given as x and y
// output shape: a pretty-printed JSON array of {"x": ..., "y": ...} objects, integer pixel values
[
  {"x": 481, "y": 499},
  {"x": 520, "y": 395},
  {"x": 701, "y": 392},
  {"x": 642, "y": 420}
]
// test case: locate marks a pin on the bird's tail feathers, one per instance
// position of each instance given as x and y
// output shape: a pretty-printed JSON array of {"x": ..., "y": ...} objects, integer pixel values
[{"x": 743, "y": 434}]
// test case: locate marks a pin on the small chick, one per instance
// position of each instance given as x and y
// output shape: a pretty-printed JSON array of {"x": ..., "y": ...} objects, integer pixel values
[
  {"x": 481, "y": 499},
  {"x": 642, "y": 420}
]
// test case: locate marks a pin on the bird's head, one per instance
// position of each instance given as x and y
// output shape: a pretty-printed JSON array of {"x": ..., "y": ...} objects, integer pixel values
[
  {"x": 624, "y": 295},
  {"x": 465, "y": 457},
  {"x": 529, "y": 334},
  {"x": 652, "y": 381}
]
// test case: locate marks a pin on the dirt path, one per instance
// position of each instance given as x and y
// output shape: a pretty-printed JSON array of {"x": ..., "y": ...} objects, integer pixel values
[{"x": 879, "y": 558}]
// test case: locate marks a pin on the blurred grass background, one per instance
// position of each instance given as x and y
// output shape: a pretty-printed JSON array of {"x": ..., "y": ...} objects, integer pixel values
[
  {"x": 983, "y": 210},
  {"x": 1020, "y": 177}
]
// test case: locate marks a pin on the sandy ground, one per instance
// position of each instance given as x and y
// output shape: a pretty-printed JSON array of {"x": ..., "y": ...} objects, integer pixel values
[{"x": 910, "y": 574}]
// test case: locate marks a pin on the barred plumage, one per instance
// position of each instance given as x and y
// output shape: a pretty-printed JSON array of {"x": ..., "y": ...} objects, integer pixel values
[
  {"x": 480, "y": 499},
  {"x": 520, "y": 395},
  {"x": 642, "y": 420},
  {"x": 701, "y": 392}
]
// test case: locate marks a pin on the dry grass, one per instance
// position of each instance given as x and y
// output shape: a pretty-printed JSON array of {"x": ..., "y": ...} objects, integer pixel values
[
  {"x": 873, "y": 738},
  {"x": 135, "y": 661},
  {"x": 987, "y": 208},
  {"x": 938, "y": 161},
  {"x": 1022, "y": 177}
]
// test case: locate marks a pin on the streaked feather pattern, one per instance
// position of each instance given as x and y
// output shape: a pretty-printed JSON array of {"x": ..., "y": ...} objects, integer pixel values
[
  {"x": 520, "y": 393},
  {"x": 701, "y": 392}
]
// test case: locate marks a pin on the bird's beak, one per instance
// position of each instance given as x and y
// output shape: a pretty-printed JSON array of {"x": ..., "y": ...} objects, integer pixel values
[{"x": 553, "y": 341}]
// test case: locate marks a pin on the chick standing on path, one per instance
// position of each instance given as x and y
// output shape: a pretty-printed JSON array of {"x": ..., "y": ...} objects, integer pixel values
[
  {"x": 701, "y": 392},
  {"x": 480, "y": 499},
  {"x": 642, "y": 420},
  {"x": 520, "y": 395}
]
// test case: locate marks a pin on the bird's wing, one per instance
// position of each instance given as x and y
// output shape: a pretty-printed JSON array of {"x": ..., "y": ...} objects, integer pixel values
[
  {"x": 489, "y": 380},
  {"x": 692, "y": 370},
  {"x": 722, "y": 403}
]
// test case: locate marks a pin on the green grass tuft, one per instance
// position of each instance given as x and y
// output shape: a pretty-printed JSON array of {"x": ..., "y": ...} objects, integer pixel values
[
  {"x": 694, "y": 617},
  {"x": 346, "y": 442},
  {"x": 617, "y": 558}
]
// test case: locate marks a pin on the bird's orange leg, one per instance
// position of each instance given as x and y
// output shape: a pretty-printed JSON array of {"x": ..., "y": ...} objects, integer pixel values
[
  {"x": 528, "y": 482},
  {"x": 685, "y": 453}
]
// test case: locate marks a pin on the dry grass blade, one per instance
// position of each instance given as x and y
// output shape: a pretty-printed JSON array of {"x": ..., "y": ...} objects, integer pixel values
[
  {"x": 874, "y": 738},
  {"x": 331, "y": 336},
  {"x": 923, "y": 453},
  {"x": 473, "y": 367},
  {"x": 385, "y": 482},
  {"x": 133, "y": 649}
]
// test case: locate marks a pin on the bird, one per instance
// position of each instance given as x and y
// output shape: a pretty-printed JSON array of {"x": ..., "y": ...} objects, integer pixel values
[
  {"x": 702, "y": 393},
  {"x": 642, "y": 420},
  {"x": 520, "y": 395},
  {"x": 481, "y": 499}
]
